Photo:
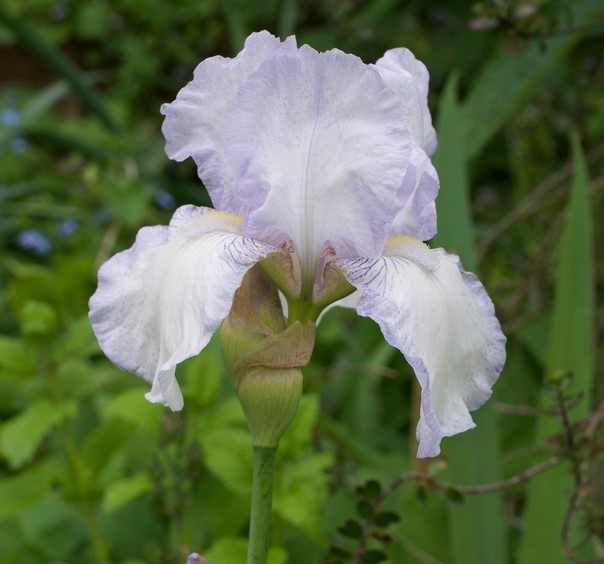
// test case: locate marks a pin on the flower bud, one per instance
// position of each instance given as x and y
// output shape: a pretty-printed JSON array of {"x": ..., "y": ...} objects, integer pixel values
[{"x": 264, "y": 358}]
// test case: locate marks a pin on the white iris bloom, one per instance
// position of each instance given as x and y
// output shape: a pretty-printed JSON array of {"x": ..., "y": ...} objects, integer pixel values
[{"x": 318, "y": 166}]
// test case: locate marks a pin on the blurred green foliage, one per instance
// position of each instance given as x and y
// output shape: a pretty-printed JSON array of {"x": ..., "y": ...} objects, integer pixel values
[{"x": 91, "y": 472}]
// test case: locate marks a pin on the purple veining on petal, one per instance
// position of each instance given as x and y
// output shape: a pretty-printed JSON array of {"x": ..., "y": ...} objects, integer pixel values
[
  {"x": 327, "y": 163},
  {"x": 443, "y": 321},
  {"x": 160, "y": 301}
]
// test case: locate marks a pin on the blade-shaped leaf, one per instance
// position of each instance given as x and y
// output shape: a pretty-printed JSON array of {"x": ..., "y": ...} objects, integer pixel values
[
  {"x": 570, "y": 349},
  {"x": 509, "y": 79}
]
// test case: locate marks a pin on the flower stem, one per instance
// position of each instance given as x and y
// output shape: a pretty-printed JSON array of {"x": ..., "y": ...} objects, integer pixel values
[{"x": 262, "y": 499}]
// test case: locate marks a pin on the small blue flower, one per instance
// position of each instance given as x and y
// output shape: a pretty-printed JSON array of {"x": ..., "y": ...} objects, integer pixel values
[
  {"x": 34, "y": 242},
  {"x": 165, "y": 200},
  {"x": 68, "y": 227},
  {"x": 11, "y": 116},
  {"x": 18, "y": 145}
]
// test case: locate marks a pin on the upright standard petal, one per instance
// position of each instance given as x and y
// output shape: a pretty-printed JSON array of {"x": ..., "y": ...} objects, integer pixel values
[
  {"x": 322, "y": 144},
  {"x": 443, "y": 321},
  {"x": 417, "y": 215},
  {"x": 194, "y": 120},
  {"x": 408, "y": 78},
  {"x": 160, "y": 301}
]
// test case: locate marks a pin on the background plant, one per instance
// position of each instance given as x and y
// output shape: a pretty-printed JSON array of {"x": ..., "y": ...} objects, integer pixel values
[{"x": 90, "y": 472}]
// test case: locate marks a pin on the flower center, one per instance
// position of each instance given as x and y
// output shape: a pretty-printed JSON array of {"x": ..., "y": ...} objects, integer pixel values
[{"x": 308, "y": 291}]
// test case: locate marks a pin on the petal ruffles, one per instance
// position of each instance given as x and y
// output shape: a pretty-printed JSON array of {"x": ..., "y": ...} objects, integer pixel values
[
  {"x": 285, "y": 136},
  {"x": 417, "y": 211},
  {"x": 408, "y": 78},
  {"x": 442, "y": 320},
  {"x": 193, "y": 124},
  {"x": 160, "y": 301},
  {"x": 320, "y": 147}
]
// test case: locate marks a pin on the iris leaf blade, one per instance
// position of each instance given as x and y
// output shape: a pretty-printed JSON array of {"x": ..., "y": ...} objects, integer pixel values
[
  {"x": 571, "y": 349},
  {"x": 507, "y": 80}
]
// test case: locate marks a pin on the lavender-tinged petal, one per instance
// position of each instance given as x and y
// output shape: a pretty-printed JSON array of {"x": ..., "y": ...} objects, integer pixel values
[
  {"x": 160, "y": 301},
  {"x": 443, "y": 321},
  {"x": 321, "y": 143},
  {"x": 408, "y": 78},
  {"x": 417, "y": 215},
  {"x": 194, "y": 120}
]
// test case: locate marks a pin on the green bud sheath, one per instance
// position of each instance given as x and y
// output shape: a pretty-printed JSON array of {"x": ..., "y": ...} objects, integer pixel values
[
  {"x": 264, "y": 358},
  {"x": 270, "y": 398}
]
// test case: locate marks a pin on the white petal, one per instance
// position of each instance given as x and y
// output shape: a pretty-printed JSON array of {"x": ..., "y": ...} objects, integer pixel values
[
  {"x": 417, "y": 215},
  {"x": 443, "y": 321},
  {"x": 194, "y": 120},
  {"x": 160, "y": 301},
  {"x": 322, "y": 142},
  {"x": 408, "y": 78}
]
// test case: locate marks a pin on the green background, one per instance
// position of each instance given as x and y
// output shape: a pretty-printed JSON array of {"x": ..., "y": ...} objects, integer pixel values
[{"x": 92, "y": 473}]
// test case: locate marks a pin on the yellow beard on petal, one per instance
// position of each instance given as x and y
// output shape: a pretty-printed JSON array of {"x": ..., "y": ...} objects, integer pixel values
[{"x": 413, "y": 249}]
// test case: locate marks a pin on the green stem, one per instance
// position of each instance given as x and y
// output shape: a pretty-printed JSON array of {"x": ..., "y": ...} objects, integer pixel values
[{"x": 262, "y": 500}]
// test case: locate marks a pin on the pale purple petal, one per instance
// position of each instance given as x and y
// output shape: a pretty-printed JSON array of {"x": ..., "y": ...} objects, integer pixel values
[
  {"x": 160, "y": 301},
  {"x": 194, "y": 120},
  {"x": 321, "y": 143},
  {"x": 408, "y": 78},
  {"x": 443, "y": 321},
  {"x": 417, "y": 215}
]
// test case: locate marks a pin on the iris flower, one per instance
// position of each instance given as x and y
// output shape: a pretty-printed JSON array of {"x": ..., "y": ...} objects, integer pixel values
[{"x": 319, "y": 169}]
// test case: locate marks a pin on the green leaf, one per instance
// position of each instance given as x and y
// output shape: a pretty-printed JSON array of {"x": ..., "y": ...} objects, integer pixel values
[
  {"x": 340, "y": 552},
  {"x": 510, "y": 78},
  {"x": 301, "y": 491},
  {"x": 288, "y": 17},
  {"x": 12, "y": 543},
  {"x": 43, "y": 100},
  {"x": 124, "y": 490},
  {"x": 453, "y": 496},
  {"x": 129, "y": 200},
  {"x": 23, "y": 490},
  {"x": 386, "y": 518},
  {"x": 53, "y": 528},
  {"x": 55, "y": 59},
  {"x": 299, "y": 433},
  {"x": 203, "y": 377},
  {"x": 373, "y": 556},
  {"x": 55, "y": 139},
  {"x": 371, "y": 490},
  {"x": 424, "y": 525},
  {"x": 16, "y": 355},
  {"x": 228, "y": 455},
  {"x": 38, "y": 319},
  {"x": 351, "y": 529},
  {"x": 132, "y": 406},
  {"x": 572, "y": 333},
  {"x": 218, "y": 416},
  {"x": 570, "y": 349},
  {"x": 79, "y": 340},
  {"x": 455, "y": 226},
  {"x": 365, "y": 509},
  {"x": 21, "y": 436},
  {"x": 235, "y": 24},
  {"x": 234, "y": 549},
  {"x": 476, "y": 528},
  {"x": 103, "y": 444}
]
